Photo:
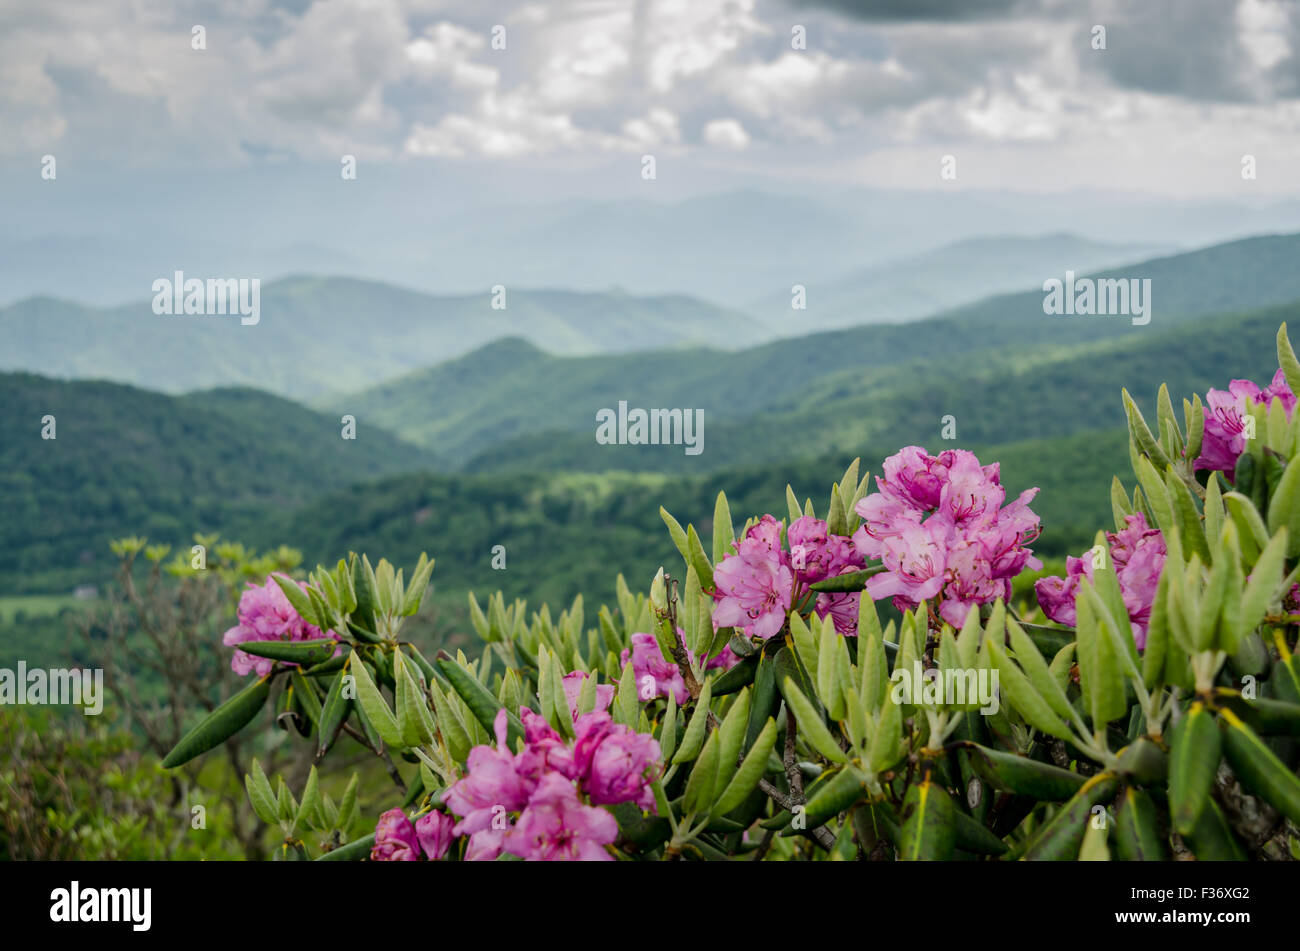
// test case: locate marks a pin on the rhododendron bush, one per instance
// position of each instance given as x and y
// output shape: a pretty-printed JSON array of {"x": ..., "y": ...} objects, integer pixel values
[{"x": 857, "y": 681}]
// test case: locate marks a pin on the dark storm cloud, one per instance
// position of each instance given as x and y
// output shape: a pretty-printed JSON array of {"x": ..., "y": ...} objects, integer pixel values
[{"x": 1201, "y": 49}]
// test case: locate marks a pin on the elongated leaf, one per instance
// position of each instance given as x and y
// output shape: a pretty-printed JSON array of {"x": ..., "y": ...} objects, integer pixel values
[
  {"x": 723, "y": 532},
  {"x": 810, "y": 722},
  {"x": 221, "y": 724},
  {"x": 927, "y": 823},
  {"x": 376, "y": 708},
  {"x": 731, "y": 737},
  {"x": 1137, "y": 833},
  {"x": 352, "y": 852},
  {"x": 1258, "y": 767},
  {"x": 306, "y": 653},
  {"x": 1024, "y": 776},
  {"x": 751, "y": 770},
  {"x": 1194, "y": 759},
  {"x": 1024, "y": 698},
  {"x": 693, "y": 738},
  {"x": 260, "y": 794},
  {"x": 481, "y": 703},
  {"x": 1059, "y": 839}
]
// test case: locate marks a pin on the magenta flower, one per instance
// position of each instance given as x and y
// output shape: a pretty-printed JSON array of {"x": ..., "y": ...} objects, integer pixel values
[
  {"x": 1138, "y": 554},
  {"x": 1225, "y": 411},
  {"x": 395, "y": 839},
  {"x": 558, "y": 826},
  {"x": 492, "y": 785},
  {"x": 655, "y": 675},
  {"x": 265, "y": 614},
  {"x": 940, "y": 530},
  {"x": 434, "y": 833},
  {"x": 615, "y": 764},
  {"x": 752, "y": 588}
]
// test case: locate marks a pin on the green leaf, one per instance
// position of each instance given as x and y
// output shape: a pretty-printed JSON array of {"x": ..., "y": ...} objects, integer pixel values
[
  {"x": 1137, "y": 833},
  {"x": 299, "y": 601},
  {"x": 1284, "y": 508},
  {"x": 376, "y": 708},
  {"x": 832, "y": 795},
  {"x": 731, "y": 738},
  {"x": 676, "y": 533},
  {"x": 1100, "y": 679},
  {"x": 306, "y": 653},
  {"x": 1119, "y": 503},
  {"x": 1044, "y": 682},
  {"x": 348, "y": 806},
  {"x": 1286, "y": 359},
  {"x": 927, "y": 823},
  {"x": 1141, "y": 435},
  {"x": 723, "y": 532},
  {"x": 1189, "y": 520},
  {"x": 703, "y": 778},
  {"x": 413, "y": 716},
  {"x": 1059, "y": 839},
  {"x": 625, "y": 708},
  {"x": 481, "y": 703},
  {"x": 308, "y": 815},
  {"x": 693, "y": 739},
  {"x": 750, "y": 772},
  {"x": 887, "y": 746},
  {"x": 1258, "y": 767},
  {"x": 415, "y": 589},
  {"x": 668, "y": 729},
  {"x": 352, "y": 852},
  {"x": 1024, "y": 698},
  {"x": 1195, "y": 751},
  {"x": 1262, "y": 588},
  {"x": 698, "y": 559},
  {"x": 260, "y": 794},
  {"x": 1024, "y": 776},
  {"x": 810, "y": 723},
  {"x": 221, "y": 724}
]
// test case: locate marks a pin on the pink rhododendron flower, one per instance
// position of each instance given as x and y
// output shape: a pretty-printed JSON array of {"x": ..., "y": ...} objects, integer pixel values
[
  {"x": 1225, "y": 410},
  {"x": 652, "y": 669},
  {"x": 265, "y": 614},
  {"x": 434, "y": 833},
  {"x": 613, "y": 762},
  {"x": 395, "y": 839},
  {"x": 1138, "y": 554},
  {"x": 752, "y": 588},
  {"x": 648, "y": 661},
  {"x": 557, "y": 826},
  {"x": 940, "y": 530}
]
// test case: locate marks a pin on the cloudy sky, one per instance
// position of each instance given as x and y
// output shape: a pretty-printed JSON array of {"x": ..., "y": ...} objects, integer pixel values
[
  {"x": 1013, "y": 88},
  {"x": 503, "y": 139}
]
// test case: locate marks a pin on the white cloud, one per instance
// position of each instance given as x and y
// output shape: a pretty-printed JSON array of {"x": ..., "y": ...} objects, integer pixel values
[{"x": 726, "y": 133}]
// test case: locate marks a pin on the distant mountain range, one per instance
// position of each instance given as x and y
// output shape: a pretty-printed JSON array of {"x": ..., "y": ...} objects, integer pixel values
[
  {"x": 497, "y": 445},
  {"x": 835, "y": 389},
  {"x": 924, "y": 284},
  {"x": 322, "y": 335},
  {"x": 317, "y": 336}
]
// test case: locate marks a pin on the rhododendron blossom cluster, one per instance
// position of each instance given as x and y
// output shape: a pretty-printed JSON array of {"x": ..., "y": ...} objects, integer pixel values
[
  {"x": 1224, "y": 439},
  {"x": 755, "y": 588},
  {"x": 939, "y": 528},
  {"x": 544, "y": 802},
  {"x": 1138, "y": 553},
  {"x": 265, "y": 614}
]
